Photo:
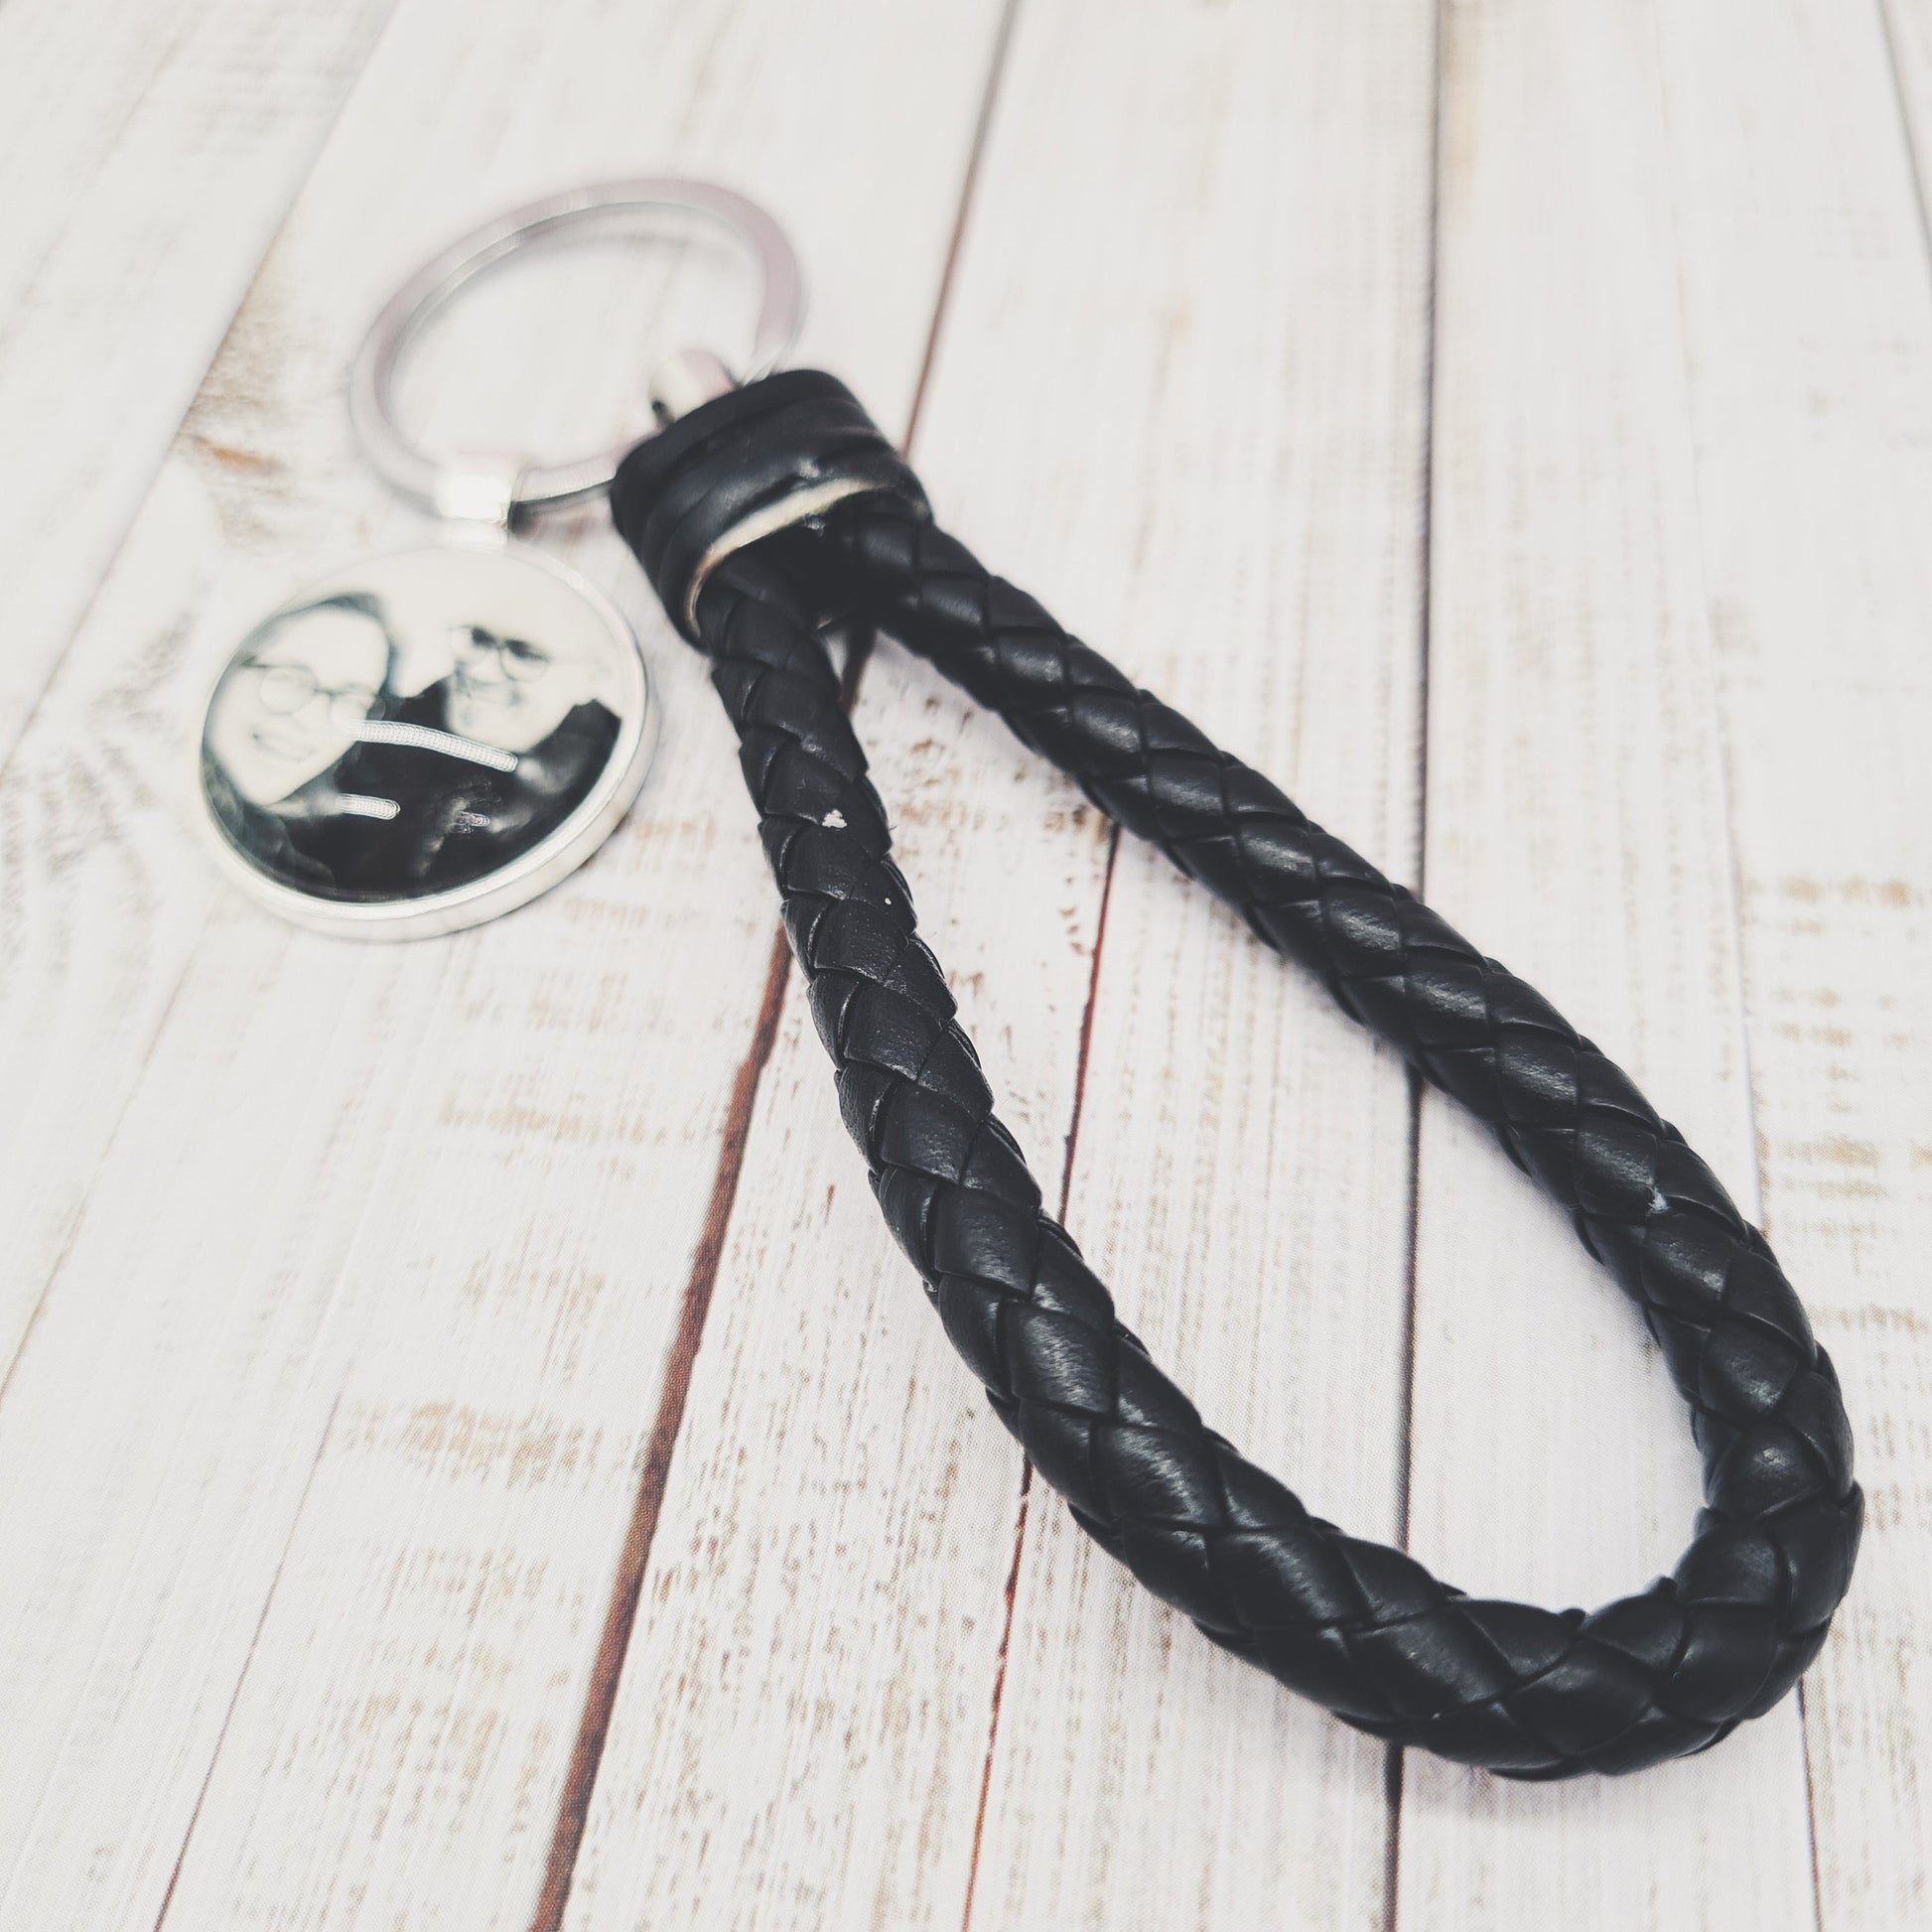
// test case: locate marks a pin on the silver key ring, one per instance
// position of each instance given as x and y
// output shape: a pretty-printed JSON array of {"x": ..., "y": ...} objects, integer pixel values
[{"x": 456, "y": 487}]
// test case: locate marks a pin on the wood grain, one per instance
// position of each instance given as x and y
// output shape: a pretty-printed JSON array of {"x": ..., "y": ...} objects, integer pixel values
[
  {"x": 1131, "y": 1758},
  {"x": 1242, "y": 1170},
  {"x": 1576, "y": 830},
  {"x": 1808, "y": 311},
  {"x": 419, "y": 1442},
  {"x": 150, "y": 150},
  {"x": 346, "y": 1356}
]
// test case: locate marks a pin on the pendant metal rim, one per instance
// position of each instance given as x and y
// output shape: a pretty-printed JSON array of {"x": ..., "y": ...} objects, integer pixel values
[{"x": 522, "y": 879}]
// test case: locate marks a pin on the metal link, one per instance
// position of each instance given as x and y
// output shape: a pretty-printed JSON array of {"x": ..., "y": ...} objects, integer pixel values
[{"x": 437, "y": 483}]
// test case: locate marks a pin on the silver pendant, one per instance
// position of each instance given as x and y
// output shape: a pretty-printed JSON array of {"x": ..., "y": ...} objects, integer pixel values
[{"x": 425, "y": 740}]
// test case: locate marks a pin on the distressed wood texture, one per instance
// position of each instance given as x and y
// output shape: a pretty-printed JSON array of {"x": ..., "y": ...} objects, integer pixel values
[
  {"x": 343, "y": 1339},
  {"x": 1576, "y": 828},
  {"x": 1808, "y": 321},
  {"x": 1241, "y": 1172},
  {"x": 150, "y": 149},
  {"x": 441, "y": 1487},
  {"x": 1679, "y": 449},
  {"x": 1255, "y": 547}
]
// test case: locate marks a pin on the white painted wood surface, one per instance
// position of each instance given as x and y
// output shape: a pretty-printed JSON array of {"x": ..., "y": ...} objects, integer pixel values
[
  {"x": 439, "y": 1487},
  {"x": 1241, "y": 1172},
  {"x": 1575, "y": 822},
  {"x": 150, "y": 149},
  {"x": 1079, "y": 358}
]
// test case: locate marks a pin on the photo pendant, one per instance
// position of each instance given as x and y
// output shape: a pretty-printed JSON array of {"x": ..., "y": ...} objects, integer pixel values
[{"x": 424, "y": 741}]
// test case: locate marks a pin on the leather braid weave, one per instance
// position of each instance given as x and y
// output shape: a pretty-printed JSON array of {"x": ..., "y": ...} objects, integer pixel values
[{"x": 1362, "y": 1628}]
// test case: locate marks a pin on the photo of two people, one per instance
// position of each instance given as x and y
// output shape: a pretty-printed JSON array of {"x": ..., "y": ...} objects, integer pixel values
[{"x": 366, "y": 742}]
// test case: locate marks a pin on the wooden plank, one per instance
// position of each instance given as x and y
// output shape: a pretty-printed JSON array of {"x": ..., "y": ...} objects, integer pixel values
[
  {"x": 1575, "y": 829},
  {"x": 1906, "y": 27},
  {"x": 1808, "y": 306},
  {"x": 150, "y": 150},
  {"x": 347, "y": 1356},
  {"x": 800, "y": 1728},
  {"x": 1243, "y": 1166},
  {"x": 1120, "y": 418},
  {"x": 301, "y": 1272}
]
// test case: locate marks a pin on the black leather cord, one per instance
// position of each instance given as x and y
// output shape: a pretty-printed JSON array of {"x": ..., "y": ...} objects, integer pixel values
[{"x": 1361, "y": 1628}]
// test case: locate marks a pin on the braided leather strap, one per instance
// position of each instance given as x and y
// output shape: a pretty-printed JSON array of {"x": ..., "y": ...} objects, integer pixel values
[{"x": 1362, "y": 1628}]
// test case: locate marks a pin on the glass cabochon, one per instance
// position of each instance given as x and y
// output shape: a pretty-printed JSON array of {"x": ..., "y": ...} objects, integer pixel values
[{"x": 425, "y": 740}]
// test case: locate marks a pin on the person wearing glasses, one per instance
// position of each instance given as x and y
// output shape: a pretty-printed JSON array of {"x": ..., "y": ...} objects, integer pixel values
[
  {"x": 285, "y": 718},
  {"x": 530, "y": 734},
  {"x": 344, "y": 787}
]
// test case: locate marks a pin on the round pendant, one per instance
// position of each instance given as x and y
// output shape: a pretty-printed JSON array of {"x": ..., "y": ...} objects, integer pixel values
[{"x": 424, "y": 741}]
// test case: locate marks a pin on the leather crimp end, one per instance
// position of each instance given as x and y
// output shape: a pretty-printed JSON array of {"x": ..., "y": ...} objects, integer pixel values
[{"x": 757, "y": 461}]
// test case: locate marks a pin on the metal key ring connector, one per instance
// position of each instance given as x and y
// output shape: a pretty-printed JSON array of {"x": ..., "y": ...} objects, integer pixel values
[{"x": 457, "y": 486}]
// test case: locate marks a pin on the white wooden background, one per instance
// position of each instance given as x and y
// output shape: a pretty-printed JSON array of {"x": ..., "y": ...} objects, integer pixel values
[{"x": 469, "y": 1457}]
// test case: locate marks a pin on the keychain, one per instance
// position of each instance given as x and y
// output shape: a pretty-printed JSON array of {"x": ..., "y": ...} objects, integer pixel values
[
  {"x": 766, "y": 511},
  {"x": 425, "y": 740}
]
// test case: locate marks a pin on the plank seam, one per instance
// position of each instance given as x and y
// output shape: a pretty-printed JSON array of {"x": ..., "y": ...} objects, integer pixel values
[
  {"x": 1915, "y": 160},
  {"x": 613, "y": 1643},
  {"x": 1811, "y": 1809},
  {"x": 323, "y": 134},
  {"x": 162, "y": 56},
  {"x": 1394, "y": 1766},
  {"x": 998, "y": 1690},
  {"x": 241, "y": 1676},
  {"x": 1727, "y": 764},
  {"x": 968, "y": 188},
  {"x": 108, "y": 1146},
  {"x": 620, "y": 1620},
  {"x": 1727, "y": 778},
  {"x": 1027, "y": 1468}
]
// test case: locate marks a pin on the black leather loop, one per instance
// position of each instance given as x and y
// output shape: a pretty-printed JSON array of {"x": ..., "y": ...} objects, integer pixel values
[
  {"x": 1362, "y": 1628},
  {"x": 677, "y": 495}
]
